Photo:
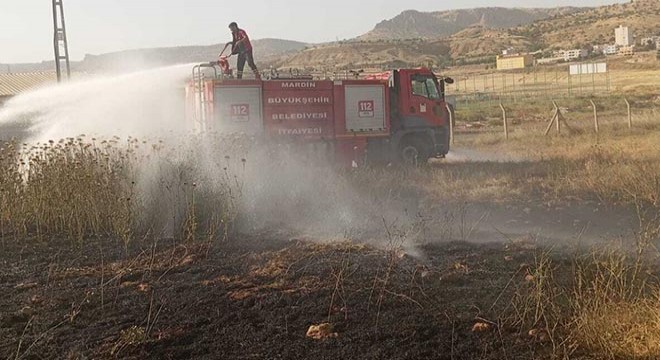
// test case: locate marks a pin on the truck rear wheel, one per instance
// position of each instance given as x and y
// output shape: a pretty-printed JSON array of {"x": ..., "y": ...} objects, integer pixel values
[{"x": 414, "y": 152}]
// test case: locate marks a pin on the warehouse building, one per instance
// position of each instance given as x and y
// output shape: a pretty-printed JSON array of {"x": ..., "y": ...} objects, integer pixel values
[{"x": 515, "y": 61}]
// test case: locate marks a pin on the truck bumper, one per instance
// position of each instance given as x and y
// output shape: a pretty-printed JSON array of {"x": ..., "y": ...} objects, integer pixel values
[{"x": 440, "y": 136}]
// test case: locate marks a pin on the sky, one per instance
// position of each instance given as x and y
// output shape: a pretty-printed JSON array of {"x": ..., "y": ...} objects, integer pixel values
[{"x": 100, "y": 26}]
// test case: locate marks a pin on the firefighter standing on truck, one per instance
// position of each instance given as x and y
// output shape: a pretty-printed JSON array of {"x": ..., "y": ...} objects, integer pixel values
[{"x": 242, "y": 47}]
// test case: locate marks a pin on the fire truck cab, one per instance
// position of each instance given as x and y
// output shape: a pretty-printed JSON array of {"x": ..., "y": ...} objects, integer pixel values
[
  {"x": 419, "y": 117},
  {"x": 397, "y": 116}
]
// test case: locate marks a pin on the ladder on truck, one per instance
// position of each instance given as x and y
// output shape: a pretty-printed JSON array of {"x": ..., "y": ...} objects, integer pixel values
[
  {"x": 199, "y": 79},
  {"x": 60, "y": 44}
]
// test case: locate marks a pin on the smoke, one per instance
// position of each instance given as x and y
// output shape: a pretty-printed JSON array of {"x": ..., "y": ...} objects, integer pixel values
[
  {"x": 276, "y": 188},
  {"x": 285, "y": 189}
]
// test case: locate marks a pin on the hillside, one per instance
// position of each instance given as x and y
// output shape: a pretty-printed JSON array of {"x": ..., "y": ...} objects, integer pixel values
[
  {"x": 360, "y": 54},
  {"x": 415, "y": 24},
  {"x": 266, "y": 51},
  {"x": 478, "y": 42},
  {"x": 594, "y": 26},
  {"x": 474, "y": 42}
]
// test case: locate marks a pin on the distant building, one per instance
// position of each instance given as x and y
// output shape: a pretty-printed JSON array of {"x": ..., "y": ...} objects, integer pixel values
[
  {"x": 569, "y": 55},
  {"x": 514, "y": 61},
  {"x": 610, "y": 50},
  {"x": 627, "y": 50},
  {"x": 508, "y": 51},
  {"x": 602, "y": 49},
  {"x": 550, "y": 60},
  {"x": 649, "y": 41},
  {"x": 623, "y": 36}
]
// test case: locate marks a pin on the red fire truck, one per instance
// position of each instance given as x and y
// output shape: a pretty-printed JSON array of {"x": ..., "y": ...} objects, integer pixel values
[{"x": 399, "y": 116}]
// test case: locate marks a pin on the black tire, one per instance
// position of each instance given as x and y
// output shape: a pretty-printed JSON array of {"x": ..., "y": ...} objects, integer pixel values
[{"x": 414, "y": 152}]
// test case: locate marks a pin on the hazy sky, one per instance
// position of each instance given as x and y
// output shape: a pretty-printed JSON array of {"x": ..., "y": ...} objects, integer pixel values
[{"x": 98, "y": 26}]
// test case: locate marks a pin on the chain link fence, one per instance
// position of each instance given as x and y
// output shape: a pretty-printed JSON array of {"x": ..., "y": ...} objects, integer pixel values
[{"x": 488, "y": 89}]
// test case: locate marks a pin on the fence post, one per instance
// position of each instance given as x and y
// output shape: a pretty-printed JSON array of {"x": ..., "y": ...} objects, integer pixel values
[
  {"x": 559, "y": 117},
  {"x": 558, "y": 122},
  {"x": 629, "y": 113},
  {"x": 596, "y": 125},
  {"x": 506, "y": 122},
  {"x": 451, "y": 124},
  {"x": 552, "y": 121}
]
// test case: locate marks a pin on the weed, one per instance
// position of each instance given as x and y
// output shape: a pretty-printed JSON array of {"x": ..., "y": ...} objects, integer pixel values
[{"x": 78, "y": 189}]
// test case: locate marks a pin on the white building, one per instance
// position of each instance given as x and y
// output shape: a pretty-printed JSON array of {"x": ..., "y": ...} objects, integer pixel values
[
  {"x": 573, "y": 54},
  {"x": 624, "y": 36},
  {"x": 508, "y": 51},
  {"x": 610, "y": 50},
  {"x": 550, "y": 60},
  {"x": 647, "y": 41},
  {"x": 605, "y": 49}
]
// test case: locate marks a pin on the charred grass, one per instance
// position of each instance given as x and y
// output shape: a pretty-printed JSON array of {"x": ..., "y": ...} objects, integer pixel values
[{"x": 253, "y": 300}]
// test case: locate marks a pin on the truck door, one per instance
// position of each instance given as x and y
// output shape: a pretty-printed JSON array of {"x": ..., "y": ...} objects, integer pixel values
[
  {"x": 425, "y": 107},
  {"x": 422, "y": 127}
]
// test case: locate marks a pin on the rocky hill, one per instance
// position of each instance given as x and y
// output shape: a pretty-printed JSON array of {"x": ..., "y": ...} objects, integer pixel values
[{"x": 415, "y": 24}]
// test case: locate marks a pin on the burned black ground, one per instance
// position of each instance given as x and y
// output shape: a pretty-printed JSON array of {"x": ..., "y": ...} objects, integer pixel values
[{"x": 255, "y": 299}]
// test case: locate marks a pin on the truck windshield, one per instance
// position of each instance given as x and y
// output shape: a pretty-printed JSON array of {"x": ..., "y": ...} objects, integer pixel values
[{"x": 425, "y": 86}]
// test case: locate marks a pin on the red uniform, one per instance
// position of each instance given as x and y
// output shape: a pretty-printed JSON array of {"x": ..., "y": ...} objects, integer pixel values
[
  {"x": 245, "y": 46},
  {"x": 244, "y": 51}
]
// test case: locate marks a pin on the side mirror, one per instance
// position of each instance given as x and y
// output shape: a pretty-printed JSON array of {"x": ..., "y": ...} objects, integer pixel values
[{"x": 449, "y": 80}]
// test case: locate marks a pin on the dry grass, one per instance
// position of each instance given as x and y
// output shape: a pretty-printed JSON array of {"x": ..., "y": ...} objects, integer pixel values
[
  {"x": 606, "y": 304},
  {"x": 617, "y": 166},
  {"x": 621, "y": 330},
  {"x": 615, "y": 307},
  {"x": 605, "y": 307},
  {"x": 80, "y": 188},
  {"x": 68, "y": 188}
]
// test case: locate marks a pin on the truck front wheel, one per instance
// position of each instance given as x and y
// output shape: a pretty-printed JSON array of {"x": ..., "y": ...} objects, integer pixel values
[{"x": 414, "y": 152}]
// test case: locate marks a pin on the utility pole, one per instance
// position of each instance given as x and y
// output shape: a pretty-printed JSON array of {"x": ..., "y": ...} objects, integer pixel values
[{"x": 60, "y": 43}]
